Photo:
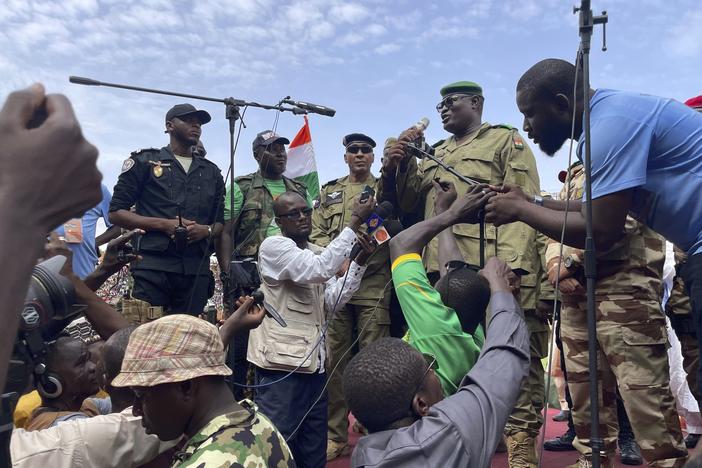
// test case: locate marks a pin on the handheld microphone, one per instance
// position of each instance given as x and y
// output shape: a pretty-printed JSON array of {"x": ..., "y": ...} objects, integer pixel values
[
  {"x": 374, "y": 221},
  {"x": 422, "y": 124},
  {"x": 259, "y": 299},
  {"x": 309, "y": 107}
]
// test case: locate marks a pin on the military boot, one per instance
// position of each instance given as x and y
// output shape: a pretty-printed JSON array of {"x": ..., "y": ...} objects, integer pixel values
[
  {"x": 629, "y": 450},
  {"x": 563, "y": 443},
  {"x": 585, "y": 462},
  {"x": 520, "y": 451}
]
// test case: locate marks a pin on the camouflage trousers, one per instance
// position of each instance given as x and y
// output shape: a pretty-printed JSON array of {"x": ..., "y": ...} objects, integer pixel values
[
  {"x": 691, "y": 362},
  {"x": 344, "y": 327},
  {"x": 526, "y": 415},
  {"x": 631, "y": 356}
]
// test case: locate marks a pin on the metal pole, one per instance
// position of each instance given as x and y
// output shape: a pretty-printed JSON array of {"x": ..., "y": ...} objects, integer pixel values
[{"x": 587, "y": 23}]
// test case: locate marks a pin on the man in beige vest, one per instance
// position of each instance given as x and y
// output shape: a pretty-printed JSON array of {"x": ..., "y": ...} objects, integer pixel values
[{"x": 299, "y": 280}]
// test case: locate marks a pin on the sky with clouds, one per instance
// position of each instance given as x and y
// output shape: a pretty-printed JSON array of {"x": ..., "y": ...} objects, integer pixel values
[{"x": 380, "y": 64}]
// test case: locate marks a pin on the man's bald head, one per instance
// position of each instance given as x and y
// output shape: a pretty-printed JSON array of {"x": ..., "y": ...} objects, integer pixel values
[
  {"x": 282, "y": 204},
  {"x": 293, "y": 216}
]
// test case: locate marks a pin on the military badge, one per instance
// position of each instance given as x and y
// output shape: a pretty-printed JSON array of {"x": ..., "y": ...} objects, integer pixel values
[
  {"x": 158, "y": 170},
  {"x": 518, "y": 142},
  {"x": 333, "y": 197},
  {"x": 127, "y": 164}
]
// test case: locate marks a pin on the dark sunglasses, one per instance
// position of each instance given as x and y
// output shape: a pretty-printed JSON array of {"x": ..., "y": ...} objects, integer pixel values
[
  {"x": 449, "y": 101},
  {"x": 296, "y": 214},
  {"x": 354, "y": 149}
]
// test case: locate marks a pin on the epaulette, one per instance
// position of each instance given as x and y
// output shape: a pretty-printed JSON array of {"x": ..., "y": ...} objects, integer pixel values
[
  {"x": 145, "y": 150},
  {"x": 508, "y": 127},
  {"x": 436, "y": 145},
  {"x": 331, "y": 182},
  {"x": 244, "y": 177}
]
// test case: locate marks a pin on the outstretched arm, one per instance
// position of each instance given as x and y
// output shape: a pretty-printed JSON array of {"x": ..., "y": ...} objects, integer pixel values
[
  {"x": 448, "y": 247},
  {"x": 608, "y": 216},
  {"x": 464, "y": 210}
]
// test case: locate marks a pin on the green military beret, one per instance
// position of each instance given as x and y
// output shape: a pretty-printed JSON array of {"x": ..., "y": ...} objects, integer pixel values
[{"x": 467, "y": 87}]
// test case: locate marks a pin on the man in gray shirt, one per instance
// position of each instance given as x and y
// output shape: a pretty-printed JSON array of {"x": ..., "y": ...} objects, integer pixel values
[{"x": 394, "y": 392}]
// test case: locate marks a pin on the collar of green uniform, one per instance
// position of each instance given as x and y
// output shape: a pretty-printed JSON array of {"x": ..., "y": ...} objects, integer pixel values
[
  {"x": 484, "y": 127},
  {"x": 243, "y": 417}
]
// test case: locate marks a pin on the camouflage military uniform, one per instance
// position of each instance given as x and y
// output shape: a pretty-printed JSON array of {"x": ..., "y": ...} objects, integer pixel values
[
  {"x": 495, "y": 154},
  {"x": 368, "y": 309},
  {"x": 244, "y": 438},
  {"x": 632, "y": 346},
  {"x": 251, "y": 223},
  {"x": 678, "y": 309}
]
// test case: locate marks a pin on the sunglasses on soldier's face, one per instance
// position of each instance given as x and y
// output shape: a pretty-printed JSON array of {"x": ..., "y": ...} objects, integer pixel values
[
  {"x": 296, "y": 214},
  {"x": 354, "y": 149},
  {"x": 449, "y": 101}
]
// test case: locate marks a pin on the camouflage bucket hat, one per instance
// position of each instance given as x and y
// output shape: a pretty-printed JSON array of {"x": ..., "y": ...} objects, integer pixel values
[{"x": 171, "y": 349}]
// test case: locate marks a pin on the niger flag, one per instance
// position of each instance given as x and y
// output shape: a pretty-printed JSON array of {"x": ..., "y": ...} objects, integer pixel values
[{"x": 301, "y": 164}]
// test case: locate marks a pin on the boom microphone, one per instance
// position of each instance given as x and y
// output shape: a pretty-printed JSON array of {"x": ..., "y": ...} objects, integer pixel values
[{"x": 309, "y": 107}]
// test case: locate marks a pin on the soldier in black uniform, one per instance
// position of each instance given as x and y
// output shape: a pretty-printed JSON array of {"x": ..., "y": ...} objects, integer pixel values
[{"x": 166, "y": 185}]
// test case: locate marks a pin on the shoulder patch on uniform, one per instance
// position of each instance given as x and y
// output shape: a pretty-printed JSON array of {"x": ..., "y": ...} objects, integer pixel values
[
  {"x": 145, "y": 150},
  {"x": 331, "y": 182},
  {"x": 517, "y": 140},
  {"x": 127, "y": 164},
  {"x": 435, "y": 145},
  {"x": 508, "y": 127},
  {"x": 333, "y": 198},
  {"x": 244, "y": 177}
]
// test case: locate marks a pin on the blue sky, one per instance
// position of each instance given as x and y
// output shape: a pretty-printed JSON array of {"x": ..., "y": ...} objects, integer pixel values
[{"x": 379, "y": 64}]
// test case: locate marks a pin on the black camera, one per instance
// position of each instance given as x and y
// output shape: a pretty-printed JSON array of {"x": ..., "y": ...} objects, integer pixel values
[
  {"x": 244, "y": 280},
  {"x": 48, "y": 307}
]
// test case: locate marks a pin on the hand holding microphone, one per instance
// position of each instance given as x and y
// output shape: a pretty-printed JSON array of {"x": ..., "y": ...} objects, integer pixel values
[{"x": 398, "y": 154}]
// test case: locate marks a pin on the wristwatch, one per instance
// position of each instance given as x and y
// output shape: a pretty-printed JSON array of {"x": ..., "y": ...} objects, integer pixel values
[
  {"x": 571, "y": 261},
  {"x": 209, "y": 231},
  {"x": 538, "y": 200}
]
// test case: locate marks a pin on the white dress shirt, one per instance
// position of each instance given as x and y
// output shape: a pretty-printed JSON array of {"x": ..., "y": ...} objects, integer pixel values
[
  {"x": 280, "y": 259},
  {"x": 113, "y": 440}
]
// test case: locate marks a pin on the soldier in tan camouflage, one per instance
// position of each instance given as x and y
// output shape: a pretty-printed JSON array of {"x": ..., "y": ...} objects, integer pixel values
[
  {"x": 492, "y": 154},
  {"x": 366, "y": 315},
  {"x": 632, "y": 342}
]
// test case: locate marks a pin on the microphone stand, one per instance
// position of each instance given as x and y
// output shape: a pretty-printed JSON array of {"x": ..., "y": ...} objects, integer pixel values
[
  {"x": 232, "y": 114},
  {"x": 586, "y": 24},
  {"x": 425, "y": 154}
]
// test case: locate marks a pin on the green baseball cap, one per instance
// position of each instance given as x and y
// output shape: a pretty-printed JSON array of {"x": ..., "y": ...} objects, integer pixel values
[{"x": 466, "y": 87}]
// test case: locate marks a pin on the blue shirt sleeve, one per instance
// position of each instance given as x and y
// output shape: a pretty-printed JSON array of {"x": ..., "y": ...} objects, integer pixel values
[
  {"x": 105, "y": 205},
  {"x": 620, "y": 148}
]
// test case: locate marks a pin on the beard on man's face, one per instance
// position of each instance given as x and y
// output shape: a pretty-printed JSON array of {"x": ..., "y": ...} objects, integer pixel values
[{"x": 552, "y": 140}]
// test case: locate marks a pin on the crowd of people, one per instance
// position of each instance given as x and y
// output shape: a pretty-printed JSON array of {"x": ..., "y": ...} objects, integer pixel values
[{"x": 416, "y": 304}]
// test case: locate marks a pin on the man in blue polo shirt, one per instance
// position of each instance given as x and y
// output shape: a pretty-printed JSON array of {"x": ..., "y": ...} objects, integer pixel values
[
  {"x": 79, "y": 234},
  {"x": 646, "y": 161}
]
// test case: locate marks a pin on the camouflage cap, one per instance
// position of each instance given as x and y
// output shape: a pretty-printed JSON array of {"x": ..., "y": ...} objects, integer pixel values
[
  {"x": 467, "y": 87},
  {"x": 171, "y": 349}
]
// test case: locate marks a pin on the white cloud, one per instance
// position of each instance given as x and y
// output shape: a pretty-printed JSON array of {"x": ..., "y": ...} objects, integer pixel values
[
  {"x": 387, "y": 48},
  {"x": 348, "y": 13},
  {"x": 685, "y": 38}
]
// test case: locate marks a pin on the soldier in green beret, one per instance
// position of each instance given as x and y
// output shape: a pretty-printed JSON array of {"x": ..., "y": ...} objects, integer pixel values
[
  {"x": 493, "y": 154},
  {"x": 366, "y": 314}
]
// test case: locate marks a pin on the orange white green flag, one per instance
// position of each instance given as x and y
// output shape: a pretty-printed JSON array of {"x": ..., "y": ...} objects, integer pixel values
[{"x": 301, "y": 163}]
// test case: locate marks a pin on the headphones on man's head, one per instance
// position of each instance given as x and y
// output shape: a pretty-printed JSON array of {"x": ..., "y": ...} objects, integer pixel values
[{"x": 48, "y": 384}]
